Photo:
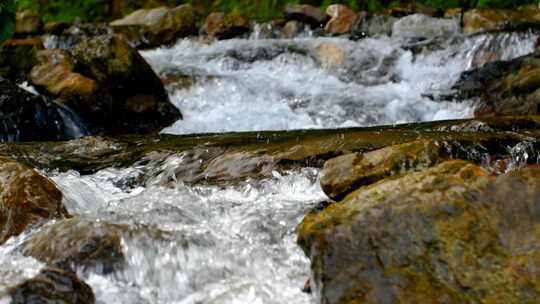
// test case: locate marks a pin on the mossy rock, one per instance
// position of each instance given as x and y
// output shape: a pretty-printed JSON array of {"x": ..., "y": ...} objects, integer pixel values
[{"x": 449, "y": 234}]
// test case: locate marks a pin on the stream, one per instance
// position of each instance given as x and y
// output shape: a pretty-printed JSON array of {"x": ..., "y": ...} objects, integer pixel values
[{"x": 236, "y": 242}]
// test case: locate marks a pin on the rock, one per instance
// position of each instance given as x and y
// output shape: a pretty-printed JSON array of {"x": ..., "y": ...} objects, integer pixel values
[
  {"x": 292, "y": 29},
  {"x": 504, "y": 87},
  {"x": 480, "y": 20},
  {"x": 224, "y": 26},
  {"x": 342, "y": 19},
  {"x": 18, "y": 56},
  {"x": 114, "y": 89},
  {"x": 55, "y": 74},
  {"x": 449, "y": 234},
  {"x": 141, "y": 104},
  {"x": 76, "y": 242},
  {"x": 55, "y": 27},
  {"x": 28, "y": 23},
  {"x": 477, "y": 20},
  {"x": 305, "y": 13},
  {"x": 26, "y": 198},
  {"x": 27, "y": 117},
  {"x": 158, "y": 26},
  {"x": 422, "y": 27},
  {"x": 330, "y": 55},
  {"x": 344, "y": 174},
  {"x": 373, "y": 25},
  {"x": 53, "y": 286}
]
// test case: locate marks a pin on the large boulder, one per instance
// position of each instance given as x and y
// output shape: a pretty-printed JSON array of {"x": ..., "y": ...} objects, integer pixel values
[
  {"x": 305, "y": 13},
  {"x": 55, "y": 75},
  {"x": 224, "y": 26},
  {"x": 27, "y": 117},
  {"x": 76, "y": 242},
  {"x": 108, "y": 84},
  {"x": 26, "y": 198},
  {"x": 449, "y": 234},
  {"x": 342, "y": 19},
  {"x": 52, "y": 285},
  {"x": 504, "y": 87},
  {"x": 344, "y": 174},
  {"x": 157, "y": 26}
]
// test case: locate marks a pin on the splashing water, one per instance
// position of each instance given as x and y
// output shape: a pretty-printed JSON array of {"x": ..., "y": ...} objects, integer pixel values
[
  {"x": 252, "y": 85},
  {"x": 200, "y": 244}
]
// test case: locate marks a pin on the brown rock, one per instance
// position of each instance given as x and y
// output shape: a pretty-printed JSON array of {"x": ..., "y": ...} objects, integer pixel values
[
  {"x": 77, "y": 242},
  {"x": 306, "y": 14},
  {"x": 53, "y": 285},
  {"x": 224, "y": 26},
  {"x": 55, "y": 75},
  {"x": 344, "y": 174},
  {"x": 504, "y": 87},
  {"x": 342, "y": 19},
  {"x": 28, "y": 23},
  {"x": 26, "y": 198},
  {"x": 291, "y": 29},
  {"x": 450, "y": 234},
  {"x": 330, "y": 55},
  {"x": 159, "y": 25}
]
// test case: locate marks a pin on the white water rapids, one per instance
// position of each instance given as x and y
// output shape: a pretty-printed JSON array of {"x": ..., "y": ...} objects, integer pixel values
[{"x": 236, "y": 243}]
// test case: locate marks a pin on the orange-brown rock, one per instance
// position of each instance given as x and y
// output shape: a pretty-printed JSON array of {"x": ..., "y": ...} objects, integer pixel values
[
  {"x": 342, "y": 19},
  {"x": 26, "y": 198}
]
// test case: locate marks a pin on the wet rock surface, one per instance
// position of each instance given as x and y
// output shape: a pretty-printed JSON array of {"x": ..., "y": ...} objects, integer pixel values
[
  {"x": 504, "y": 87},
  {"x": 344, "y": 174},
  {"x": 108, "y": 84},
  {"x": 26, "y": 198},
  {"x": 451, "y": 233},
  {"x": 77, "y": 243},
  {"x": 53, "y": 285},
  {"x": 27, "y": 117}
]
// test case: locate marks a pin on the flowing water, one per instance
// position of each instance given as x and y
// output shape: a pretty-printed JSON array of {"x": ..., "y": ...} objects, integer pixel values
[{"x": 235, "y": 243}]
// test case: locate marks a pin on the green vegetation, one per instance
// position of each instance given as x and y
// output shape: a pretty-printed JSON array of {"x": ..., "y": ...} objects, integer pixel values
[
  {"x": 8, "y": 9},
  {"x": 103, "y": 10}
]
